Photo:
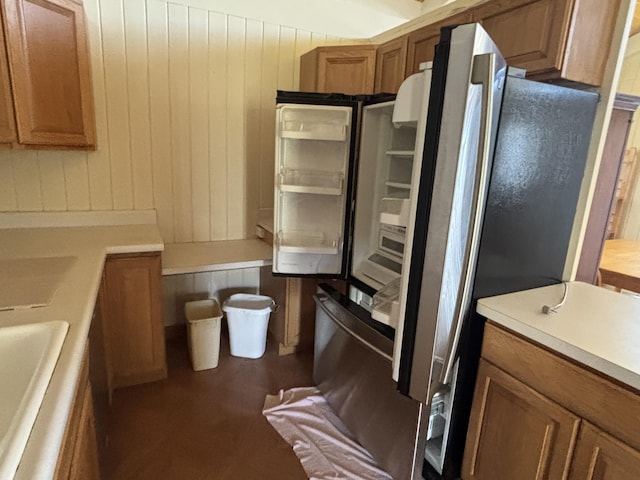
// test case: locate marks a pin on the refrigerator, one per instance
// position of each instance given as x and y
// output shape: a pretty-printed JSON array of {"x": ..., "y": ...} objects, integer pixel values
[{"x": 463, "y": 186}]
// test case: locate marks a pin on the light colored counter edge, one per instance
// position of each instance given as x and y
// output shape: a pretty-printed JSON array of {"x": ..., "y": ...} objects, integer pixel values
[{"x": 561, "y": 347}]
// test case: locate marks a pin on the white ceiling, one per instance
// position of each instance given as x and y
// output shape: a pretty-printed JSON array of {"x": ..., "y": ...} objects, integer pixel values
[{"x": 342, "y": 18}]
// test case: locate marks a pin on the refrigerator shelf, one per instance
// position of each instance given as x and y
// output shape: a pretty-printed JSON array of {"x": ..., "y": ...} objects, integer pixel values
[
  {"x": 400, "y": 153},
  {"x": 313, "y": 131},
  {"x": 406, "y": 186},
  {"x": 395, "y": 211},
  {"x": 305, "y": 181},
  {"x": 303, "y": 242}
]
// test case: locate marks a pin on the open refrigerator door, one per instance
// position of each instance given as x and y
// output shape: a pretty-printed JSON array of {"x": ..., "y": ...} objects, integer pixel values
[{"x": 313, "y": 151}]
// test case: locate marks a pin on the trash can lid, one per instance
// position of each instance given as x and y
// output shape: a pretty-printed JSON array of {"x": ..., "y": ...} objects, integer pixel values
[{"x": 248, "y": 301}]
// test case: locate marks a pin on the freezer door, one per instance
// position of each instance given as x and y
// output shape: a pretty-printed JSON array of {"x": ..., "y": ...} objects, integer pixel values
[
  {"x": 313, "y": 171},
  {"x": 464, "y": 105}
]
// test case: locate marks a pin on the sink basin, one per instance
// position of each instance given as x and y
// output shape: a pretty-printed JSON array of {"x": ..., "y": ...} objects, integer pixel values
[{"x": 28, "y": 356}]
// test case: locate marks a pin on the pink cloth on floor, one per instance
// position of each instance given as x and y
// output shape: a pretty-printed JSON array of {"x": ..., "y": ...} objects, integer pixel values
[{"x": 322, "y": 442}]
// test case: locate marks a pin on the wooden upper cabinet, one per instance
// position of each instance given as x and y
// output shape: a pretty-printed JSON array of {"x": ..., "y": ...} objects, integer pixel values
[
  {"x": 49, "y": 70},
  {"x": 343, "y": 69},
  {"x": 599, "y": 456},
  {"x": 7, "y": 115},
  {"x": 552, "y": 39},
  {"x": 515, "y": 432},
  {"x": 422, "y": 42},
  {"x": 391, "y": 61}
]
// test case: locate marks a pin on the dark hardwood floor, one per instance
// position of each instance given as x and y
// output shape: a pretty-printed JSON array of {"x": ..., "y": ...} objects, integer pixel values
[{"x": 205, "y": 425}]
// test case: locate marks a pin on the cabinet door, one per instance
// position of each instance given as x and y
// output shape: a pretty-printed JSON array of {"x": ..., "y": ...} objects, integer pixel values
[
  {"x": 422, "y": 42},
  {"x": 552, "y": 39},
  {"x": 599, "y": 456},
  {"x": 514, "y": 432},
  {"x": 136, "y": 334},
  {"x": 531, "y": 34},
  {"x": 349, "y": 70},
  {"x": 84, "y": 462},
  {"x": 391, "y": 62},
  {"x": 49, "y": 68},
  {"x": 7, "y": 116}
]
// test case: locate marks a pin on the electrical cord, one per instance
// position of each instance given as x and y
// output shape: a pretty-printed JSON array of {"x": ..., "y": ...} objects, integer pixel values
[{"x": 546, "y": 309}]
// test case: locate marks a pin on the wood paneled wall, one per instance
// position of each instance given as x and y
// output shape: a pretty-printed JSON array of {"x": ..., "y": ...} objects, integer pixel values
[
  {"x": 185, "y": 120},
  {"x": 178, "y": 289}
]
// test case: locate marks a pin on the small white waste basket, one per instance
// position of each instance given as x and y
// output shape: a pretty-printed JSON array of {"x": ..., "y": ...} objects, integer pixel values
[
  {"x": 247, "y": 318},
  {"x": 203, "y": 322}
]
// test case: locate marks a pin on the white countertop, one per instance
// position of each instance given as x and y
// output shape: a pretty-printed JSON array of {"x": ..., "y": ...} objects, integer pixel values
[
  {"x": 180, "y": 258},
  {"x": 596, "y": 327},
  {"x": 73, "y": 302}
]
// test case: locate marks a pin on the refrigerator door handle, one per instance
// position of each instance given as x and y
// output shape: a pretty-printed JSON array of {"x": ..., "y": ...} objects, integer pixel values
[{"x": 483, "y": 73}]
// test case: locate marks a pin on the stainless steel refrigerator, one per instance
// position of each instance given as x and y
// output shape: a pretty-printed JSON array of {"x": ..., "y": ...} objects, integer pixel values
[{"x": 463, "y": 186}]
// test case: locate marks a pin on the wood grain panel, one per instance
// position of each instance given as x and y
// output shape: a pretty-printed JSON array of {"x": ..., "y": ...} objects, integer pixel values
[
  {"x": 180, "y": 121},
  {"x": 539, "y": 447},
  {"x": 136, "y": 333},
  {"x": 199, "y": 131},
  {"x": 27, "y": 174},
  {"x": 599, "y": 456},
  {"x": 117, "y": 97},
  {"x": 8, "y": 133},
  {"x": 236, "y": 133},
  {"x": 98, "y": 160},
  {"x": 138, "y": 90},
  {"x": 253, "y": 115},
  {"x": 566, "y": 383},
  {"x": 54, "y": 192},
  {"x": 179, "y": 95},
  {"x": 8, "y": 197},
  {"x": 160, "y": 113},
  {"x": 391, "y": 63},
  {"x": 268, "y": 111},
  {"x": 218, "y": 125},
  {"x": 51, "y": 83},
  {"x": 76, "y": 179}
]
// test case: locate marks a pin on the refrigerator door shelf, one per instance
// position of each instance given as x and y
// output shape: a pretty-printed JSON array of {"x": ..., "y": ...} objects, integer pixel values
[
  {"x": 386, "y": 307},
  {"x": 395, "y": 211},
  {"x": 400, "y": 153},
  {"x": 404, "y": 186},
  {"x": 326, "y": 132},
  {"x": 409, "y": 100},
  {"x": 301, "y": 181},
  {"x": 313, "y": 122},
  {"x": 378, "y": 270},
  {"x": 307, "y": 242},
  {"x": 386, "y": 313}
]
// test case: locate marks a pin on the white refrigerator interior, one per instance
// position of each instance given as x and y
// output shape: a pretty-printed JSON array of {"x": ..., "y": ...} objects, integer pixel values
[
  {"x": 312, "y": 159},
  {"x": 382, "y": 201},
  {"x": 386, "y": 173}
]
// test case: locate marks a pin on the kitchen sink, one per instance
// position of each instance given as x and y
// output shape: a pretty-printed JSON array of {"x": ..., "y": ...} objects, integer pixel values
[{"x": 28, "y": 356}]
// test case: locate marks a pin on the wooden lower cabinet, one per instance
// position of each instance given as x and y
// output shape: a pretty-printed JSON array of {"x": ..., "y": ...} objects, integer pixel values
[
  {"x": 78, "y": 458},
  {"x": 515, "y": 432},
  {"x": 135, "y": 333},
  {"x": 599, "y": 456},
  {"x": 537, "y": 415}
]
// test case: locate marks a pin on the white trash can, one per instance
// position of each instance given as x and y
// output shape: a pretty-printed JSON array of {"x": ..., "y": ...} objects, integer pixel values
[
  {"x": 203, "y": 323},
  {"x": 248, "y": 318}
]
